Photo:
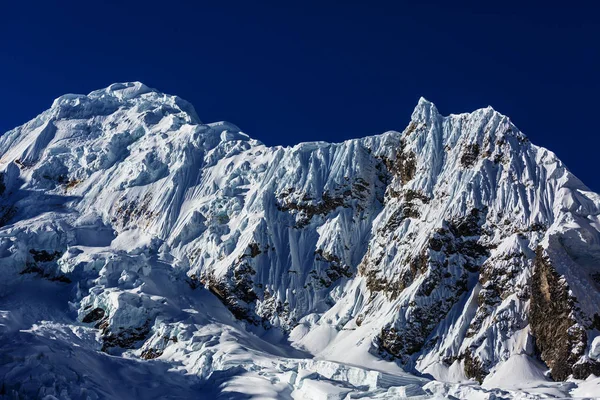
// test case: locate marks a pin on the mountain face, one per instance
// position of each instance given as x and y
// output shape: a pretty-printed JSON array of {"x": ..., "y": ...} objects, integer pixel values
[{"x": 455, "y": 250}]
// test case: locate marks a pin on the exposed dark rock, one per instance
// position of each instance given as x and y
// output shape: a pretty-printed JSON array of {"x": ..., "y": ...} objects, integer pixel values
[
  {"x": 411, "y": 128},
  {"x": 409, "y": 210},
  {"x": 286, "y": 192},
  {"x": 583, "y": 370},
  {"x": 389, "y": 341},
  {"x": 150, "y": 354},
  {"x": 522, "y": 139},
  {"x": 33, "y": 268},
  {"x": 243, "y": 284},
  {"x": 595, "y": 322},
  {"x": 394, "y": 220},
  {"x": 473, "y": 367},
  {"x": 411, "y": 195},
  {"x": 23, "y": 164},
  {"x": 245, "y": 300},
  {"x": 392, "y": 193},
  {"x": 406, "y": 210},
  {"x": 44, "y": 256},
  {"x": 469, "y": 225},
  {"x": 2, "y": 185},
  {"x": 537, "y": 227},
  {"x": 359, "y": 319},
  {"x": 308, "y": 209},
  {"x": 408, "y": 167},
  {"x": 441, "y": 289},
  {"x": 103, "y": 324},
  {"x": 354, "y": 194},
  {"x": 94, "y": 315},
  {"x": 125, "y": 339},
  {"x": 254, "y": 249},
  {"x": 404, "y": 165},
  {"x": 376, "y": 282},
  {"x": 560, "y": 340},
  {"x": 129, "y": 211},
  {"x": 358, "y": 188},
  {"x": 43, "y": 265},
  {"x": 499, "y": 274},
  {"x": 72, "y": 183},
  {"x": 335, "y": 270},
  {"x": 459, "y": 236},
  {"x": 59, "y": 278},
  {"x": 418, "y": 265},
  {"x": 498, "y": 158},
  {"x": 403, "y": 341},
  {"x": 236, "y": 291},
  {"x": 438, "y": 240},
  {"x": 469, "y": 155},
  {"x": 272, "y": 307}
]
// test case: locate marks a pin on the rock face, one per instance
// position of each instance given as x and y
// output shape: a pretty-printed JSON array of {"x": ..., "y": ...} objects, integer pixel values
[
  {"x": 451, "y": 246},
  {"x": 560, "y": 338}
]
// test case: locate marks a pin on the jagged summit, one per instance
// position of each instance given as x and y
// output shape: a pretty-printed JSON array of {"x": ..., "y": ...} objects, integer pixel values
[
  {"x": 427, "y": 113},
  {"x": 456, "y": 250},
  {"x": 151, "y": 105},
  {"x": 124, "y": 90},
  {"x": 120, "y": 95},
  {"x": 424, "y": 111}
]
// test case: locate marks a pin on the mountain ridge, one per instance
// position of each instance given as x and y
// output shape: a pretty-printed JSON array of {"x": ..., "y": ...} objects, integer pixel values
[{"x": 450, "y": 249}]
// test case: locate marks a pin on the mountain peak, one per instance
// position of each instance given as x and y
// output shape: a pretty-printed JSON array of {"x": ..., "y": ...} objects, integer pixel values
[
  {"x": 106, "y": 101},
  {"x": 454, "y": 249},
  {"x": 123, "y": 91},
  {"x": 424, "y": 111}
]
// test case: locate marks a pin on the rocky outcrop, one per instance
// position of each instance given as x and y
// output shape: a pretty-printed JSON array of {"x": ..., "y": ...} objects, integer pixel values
[
  {"x": 455, "y": 248},
  {"x": 128, "y": 338},
  {"x": 336, "y": 269},
  {"x": 95, "y": 315},
  {"x": 130, "y": 211},
  {"x": 559, "y": 338},
  {"x": 473, "y": 368},
  {"x": 351, "y": 194},
  {"x": 42, "y": 263},
  {"x": 307, "y": 208},
  {"x": 469, "y": 155},
  {"x": 404, "y": 164}
]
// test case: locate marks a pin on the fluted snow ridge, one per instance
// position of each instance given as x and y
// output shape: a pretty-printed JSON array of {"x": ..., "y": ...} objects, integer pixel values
[{"x": 449, "y": 247}]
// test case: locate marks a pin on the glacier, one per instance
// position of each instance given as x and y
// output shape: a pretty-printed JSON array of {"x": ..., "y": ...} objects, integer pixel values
[{"x": 146, "y": 254}]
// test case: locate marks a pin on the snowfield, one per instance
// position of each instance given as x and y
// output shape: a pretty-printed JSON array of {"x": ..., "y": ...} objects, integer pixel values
[{"x": 145, "y": 254}]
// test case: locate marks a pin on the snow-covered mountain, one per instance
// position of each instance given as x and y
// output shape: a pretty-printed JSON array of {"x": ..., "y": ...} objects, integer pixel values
[{"x": 146, "y": 254}]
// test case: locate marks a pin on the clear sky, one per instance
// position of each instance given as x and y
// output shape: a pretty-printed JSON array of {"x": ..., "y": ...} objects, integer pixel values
[{"x": 287, "y": 72}]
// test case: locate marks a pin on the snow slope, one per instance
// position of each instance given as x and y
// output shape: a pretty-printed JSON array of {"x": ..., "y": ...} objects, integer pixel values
[{"x": 146, "y": 254}]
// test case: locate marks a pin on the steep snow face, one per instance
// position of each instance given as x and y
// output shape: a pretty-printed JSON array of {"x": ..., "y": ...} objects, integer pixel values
[
  {"x": 485, "y": 242},
  {"x": 455, "y": 248}
]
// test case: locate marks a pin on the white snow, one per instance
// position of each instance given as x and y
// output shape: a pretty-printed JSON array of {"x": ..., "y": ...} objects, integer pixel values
[{"x": 139, "y": 207}]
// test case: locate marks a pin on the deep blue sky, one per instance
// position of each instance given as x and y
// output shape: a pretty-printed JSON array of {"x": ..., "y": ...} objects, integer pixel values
[{"x": 286, "y": 72}]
